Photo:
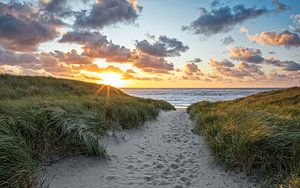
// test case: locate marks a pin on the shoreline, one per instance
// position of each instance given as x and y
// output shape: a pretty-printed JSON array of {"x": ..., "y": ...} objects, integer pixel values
[{"x": 181, "y": 109}]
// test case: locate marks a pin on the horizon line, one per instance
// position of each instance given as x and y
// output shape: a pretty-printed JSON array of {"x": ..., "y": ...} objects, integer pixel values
[{"x": 207, "y": 87}]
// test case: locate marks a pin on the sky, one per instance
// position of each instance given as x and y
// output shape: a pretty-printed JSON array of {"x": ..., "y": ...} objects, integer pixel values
[{"x": 154, "y": 43}]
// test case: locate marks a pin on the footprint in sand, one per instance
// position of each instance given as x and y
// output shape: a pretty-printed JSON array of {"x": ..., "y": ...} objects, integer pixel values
[{"x": 162, "y": 153}]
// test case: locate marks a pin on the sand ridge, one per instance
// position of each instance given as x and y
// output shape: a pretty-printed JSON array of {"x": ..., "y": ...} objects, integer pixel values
[{"x": 162, "y": 153}]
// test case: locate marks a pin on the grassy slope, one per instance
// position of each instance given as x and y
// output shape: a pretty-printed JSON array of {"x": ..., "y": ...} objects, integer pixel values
[
  {"x": 259, "y": 133},
  {"x": 44, "y": 117}
]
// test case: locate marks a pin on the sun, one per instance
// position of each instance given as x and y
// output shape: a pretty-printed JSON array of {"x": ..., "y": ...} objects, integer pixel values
[{"x": 113, "y": 79}]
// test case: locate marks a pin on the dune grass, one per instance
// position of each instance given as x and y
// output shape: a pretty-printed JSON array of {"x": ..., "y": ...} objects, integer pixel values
[
  {"x": 259, "y": 134},
  {"x": 45, "y": 118}
]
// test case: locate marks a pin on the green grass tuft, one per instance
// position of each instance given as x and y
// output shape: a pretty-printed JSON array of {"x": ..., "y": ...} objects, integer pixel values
[
  {"x": 259, "y": 134},
  {"x": 44, "y": 118}
]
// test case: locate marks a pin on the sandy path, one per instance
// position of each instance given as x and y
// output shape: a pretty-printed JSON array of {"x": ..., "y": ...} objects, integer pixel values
[{"x": 163, "y": 153}]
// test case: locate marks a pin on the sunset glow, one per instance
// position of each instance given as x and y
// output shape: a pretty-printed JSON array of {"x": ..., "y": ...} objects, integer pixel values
[
  {"x": 191, "y": 44},
  {"x": 112, "y": 79}
]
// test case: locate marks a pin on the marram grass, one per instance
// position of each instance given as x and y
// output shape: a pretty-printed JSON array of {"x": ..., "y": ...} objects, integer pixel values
[
  {"x": 259, "y": 135},
  {"x": 42, "y": 118}
]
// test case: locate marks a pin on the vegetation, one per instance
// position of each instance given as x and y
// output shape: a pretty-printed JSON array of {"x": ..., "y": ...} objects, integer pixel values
[
  {"x": 42, "y": 118},
  {"x": 259, "y": 133}
]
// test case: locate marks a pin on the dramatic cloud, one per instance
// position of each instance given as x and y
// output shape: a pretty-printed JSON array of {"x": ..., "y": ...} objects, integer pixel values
[
  {"x": 70, "y": 63},
  {"x": 246, "y": 54},
  {"x": 109, "y": 12},
  {"x": 280, "y": 6},
  {"x": 54, "y": 63},
  {"x": 223, "y": 19},
  {"x": 163, "y": 47},
  {"x": 22, "y": 27},
  {"x": 285, "y": 38},
  {"x": 96, "y": 45},
  {"x": 227, "y": 40}
]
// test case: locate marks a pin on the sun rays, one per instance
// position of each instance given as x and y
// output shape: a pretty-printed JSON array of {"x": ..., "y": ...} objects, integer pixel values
[{"x": 112, "y": 79}]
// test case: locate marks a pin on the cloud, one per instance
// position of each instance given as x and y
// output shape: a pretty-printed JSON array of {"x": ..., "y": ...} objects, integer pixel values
[
  {"x": 22, "y": 27},
  {"x": 192, "y": 69},
  {"x": 223, "y": 19},
  {"x": 249, "y": 55},
  {"x": 227, "y": 69},
  {"x": 152, "y": 64},
  {"x": 195, "y": 60},
  {"x": 244, "y": 29},
  {"x": 125, "y": 75},
  {"x": 223, "y": 63},
  {"x": 72, "y": 57},
  {"x": 280, "y": 6},
  {"x": 284, "y": 38},
  {"x": 52, "y": 64},
  {"x": 251, "y": 70},
  {"x": 227, "y": 40},
  {"x": 150, "y": 57},
  {"x": 70, "y": 63},
  {"x": 82, "y": 37},
  {"x": 287, "y": 65},
  {"x": 55, "y": 63},
  {"x": 96, "y": 45},
  {"x": 296, "y": 21},
  {"x": 111, "y": 68},
  {"x": 214, "y": 3},
  {"x": 277, "y": 76},
  {"x": 163, "y": 47},
  {"x": 130, "y": 76},
  {"x": 130, "y": 71},
  {"x": 94, "y": 75},
  {"x": 8, "y": 57},
  {"x": 58, "y": 7},
  {"x": 109, "y": 12}
]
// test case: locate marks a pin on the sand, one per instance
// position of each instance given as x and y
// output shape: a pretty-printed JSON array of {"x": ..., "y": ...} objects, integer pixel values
[{"x": 162, "y": 153}]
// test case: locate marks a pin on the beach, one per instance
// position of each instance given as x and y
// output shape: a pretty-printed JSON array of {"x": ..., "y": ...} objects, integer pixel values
[{"x": 162, "y": 153}]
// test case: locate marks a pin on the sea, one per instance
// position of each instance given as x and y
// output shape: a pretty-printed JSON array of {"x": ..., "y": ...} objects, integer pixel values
[{"x": 182, "y": 98}]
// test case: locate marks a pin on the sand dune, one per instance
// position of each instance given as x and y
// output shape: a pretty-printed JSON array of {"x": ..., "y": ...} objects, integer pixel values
[{"x": 162, "y": 153}]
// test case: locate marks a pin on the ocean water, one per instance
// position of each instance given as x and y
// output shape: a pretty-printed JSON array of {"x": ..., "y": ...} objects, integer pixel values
[{"x": 182, "y": 98}]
